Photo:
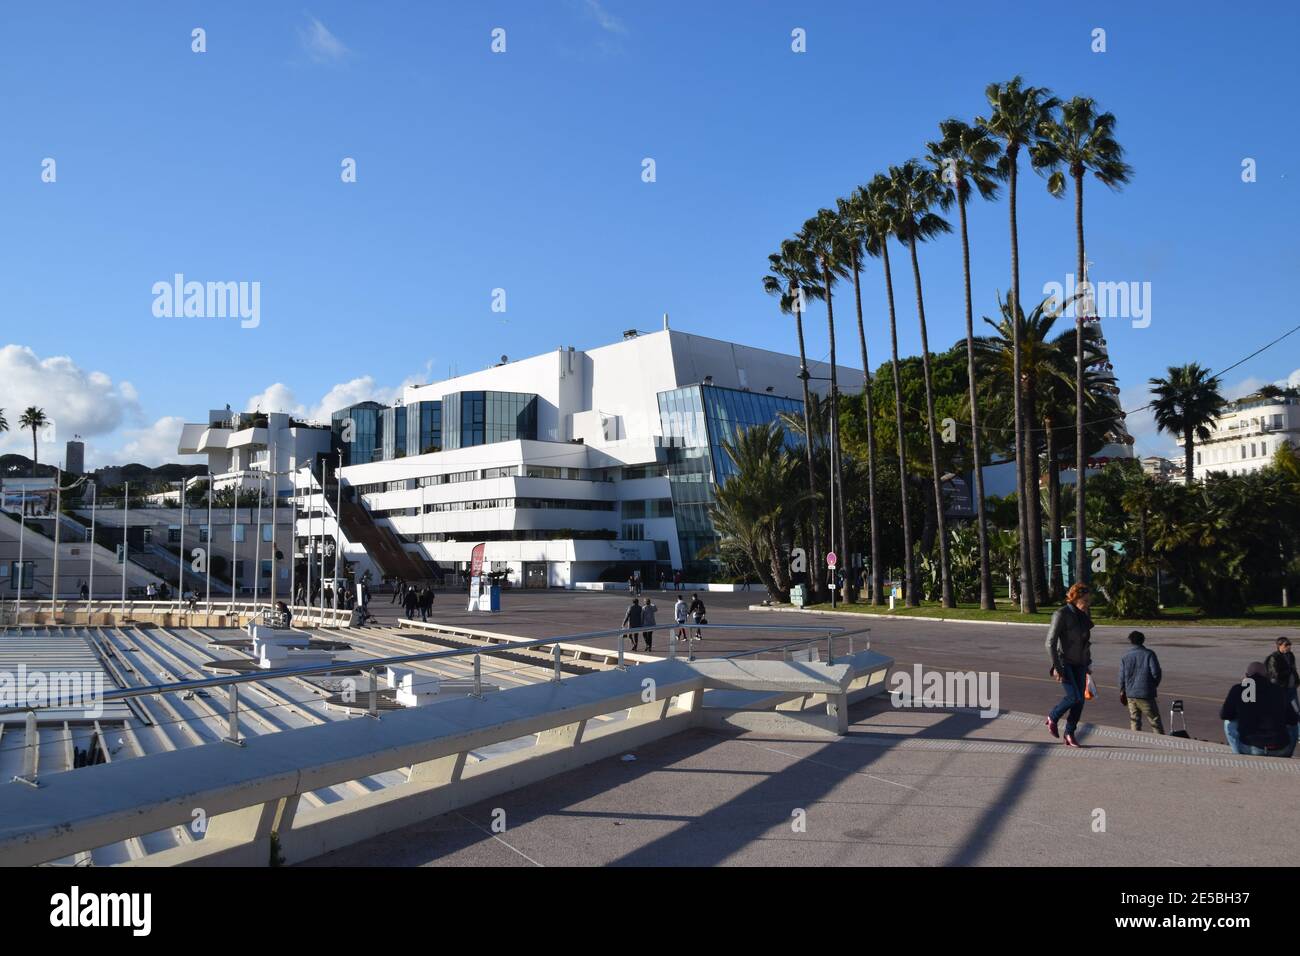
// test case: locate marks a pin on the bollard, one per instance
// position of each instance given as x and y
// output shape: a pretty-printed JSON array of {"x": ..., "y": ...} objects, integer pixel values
[
  {"x": 374, "y": 693},
  {"x": 622, "y": 664},
  {"x": 830, "y": 648},
  {"x": 28, "y": 776},
  {"x": 478, "y": 677},
  {"x": 232, "y": 733}
]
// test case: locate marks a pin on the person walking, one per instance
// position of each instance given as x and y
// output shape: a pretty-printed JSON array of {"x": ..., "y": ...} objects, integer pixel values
[
  {"x": 632, "y": 620},
  {"x": 1258, "y": 719},
  {"x": 648, "y": 613},
  {"x": 677, "y": 580},
  {"x": 1284, "y": 648},
  {"x": 680, "y": 614},
  {"x": 399, "y": 593},
  {"x": 697, "y": 615},
  {"x": 410, "y": 602},
  {"x": 426, "y": 603},
  {"x": 1139, "y": 679},
  {"x": 1069, "y": 645}
]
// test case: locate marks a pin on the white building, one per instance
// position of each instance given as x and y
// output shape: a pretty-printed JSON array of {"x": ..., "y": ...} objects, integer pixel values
[
  {"x": 571, "y": 466},
  {"x": 240, "y": 447},
  {"x": 1248, "y": 433}
]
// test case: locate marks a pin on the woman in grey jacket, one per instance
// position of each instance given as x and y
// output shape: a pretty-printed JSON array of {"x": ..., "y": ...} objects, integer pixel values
[{"x": 1069, "y": 645}]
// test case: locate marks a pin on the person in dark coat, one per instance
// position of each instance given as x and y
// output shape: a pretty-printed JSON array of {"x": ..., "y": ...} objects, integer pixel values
[
  {"x": 426, "y": 602},
  {"x": 410, "y": 601},
  {"x": 1069, "y": 645},
  {"x": 1139, "y": 679},
  {"x": 1258, "y": 719},
  {"x": 632, "y": 620}
]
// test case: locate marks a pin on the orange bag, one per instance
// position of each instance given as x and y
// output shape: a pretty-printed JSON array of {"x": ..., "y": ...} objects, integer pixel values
[{"x": 1089, "y": 689}]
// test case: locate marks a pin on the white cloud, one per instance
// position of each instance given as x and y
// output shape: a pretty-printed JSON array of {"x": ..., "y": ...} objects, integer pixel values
[
  {"x": 275, "y": 398},
  {"x": 79, "y": 402},
  {"x": 153, "y": 445},
  {"x": 321, "y": 45},
  {"x": 608, "y": 22}
]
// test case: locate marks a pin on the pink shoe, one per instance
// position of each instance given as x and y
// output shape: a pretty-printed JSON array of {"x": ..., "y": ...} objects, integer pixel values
[
  {"x": 1071, "y": 742},
  {"x": 1051, "y": 727}
]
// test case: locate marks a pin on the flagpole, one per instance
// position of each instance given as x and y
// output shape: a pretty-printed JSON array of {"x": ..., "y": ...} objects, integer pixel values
[
  {"x": 126, "y": 522},
  {"x": 90, "y": 592}
]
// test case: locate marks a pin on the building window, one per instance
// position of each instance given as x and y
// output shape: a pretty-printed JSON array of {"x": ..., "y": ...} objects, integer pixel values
[
  {"x": 174, "y": 533},
  {"x": 203, "y": 534},
  {"x": 237, "y": 533},
  {"x": 268, "y": 532}
]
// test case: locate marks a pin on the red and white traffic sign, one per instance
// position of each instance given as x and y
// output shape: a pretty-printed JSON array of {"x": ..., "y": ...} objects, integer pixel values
[{"x": 831, "y": 560}]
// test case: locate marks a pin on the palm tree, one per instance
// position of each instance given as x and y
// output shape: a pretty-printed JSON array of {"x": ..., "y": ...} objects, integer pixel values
[
  {"x": 963, "y": 154},
  {"x": 1015, "y": 114},
  {"x": 878, "y": 217},
  {"x": 1081, "y": 140},
  {"x": 792, "y": 278},
  {"x": 4, "y": 422},
  {"x": 1187, "y": 401},
  {"x": 916, "y": 190},
  {"x": 853, "y": 214},
  {"x": 33, "y": 418},
  {"x": 754, "y": 508},
  {"x": 824, "y": 236}
]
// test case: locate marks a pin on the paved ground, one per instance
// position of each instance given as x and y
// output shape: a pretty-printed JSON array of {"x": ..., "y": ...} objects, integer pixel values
[
  {"x": 1199, "y": 663},
  {"x": 903, "y": 788}
]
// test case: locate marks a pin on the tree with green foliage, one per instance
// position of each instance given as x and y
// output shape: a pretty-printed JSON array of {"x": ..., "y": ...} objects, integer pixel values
[{"x": 1187, "y": 401}]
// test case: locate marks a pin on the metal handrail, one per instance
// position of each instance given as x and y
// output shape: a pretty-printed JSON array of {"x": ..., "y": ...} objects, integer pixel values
[{"x": 375, "y": 663}]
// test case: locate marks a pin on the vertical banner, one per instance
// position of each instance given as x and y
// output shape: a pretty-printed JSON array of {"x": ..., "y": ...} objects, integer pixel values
[{"x": 476, "y": 575}]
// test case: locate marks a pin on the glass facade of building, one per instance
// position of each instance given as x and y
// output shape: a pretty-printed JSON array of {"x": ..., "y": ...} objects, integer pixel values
[
  {"x": 358, "y": 430},
  {"x": 481, "y": 418},
  {"x": 696, "y": 421},
  {"x": 423, "y": 428},
  {"x": 394, "y": 432}
]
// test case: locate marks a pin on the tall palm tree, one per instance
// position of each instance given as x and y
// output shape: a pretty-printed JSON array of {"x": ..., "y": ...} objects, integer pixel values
[
  {"x": 878, "y": 216},
  {"x": 4, "y": 422},
  {"x": 853, "y": 214},
  {"x": 964, "y": 156},
  {"x": 792, "y": 278},
  {"x": 1015, "y": 114},
  {"x": 824, "y": 235},
  {"x": 1187, "y": 401},
  {"x": 916, "y": 191},
  {"x": 33, "y": 418},
  {"x": 1081, "y": 140}
]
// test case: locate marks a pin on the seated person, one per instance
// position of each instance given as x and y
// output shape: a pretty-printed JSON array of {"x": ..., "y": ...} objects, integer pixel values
[{"x": 1258, "y": 719}]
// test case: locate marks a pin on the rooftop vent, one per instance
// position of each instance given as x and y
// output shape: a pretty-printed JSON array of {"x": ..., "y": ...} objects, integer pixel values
[{"x": 630, "y": 334}]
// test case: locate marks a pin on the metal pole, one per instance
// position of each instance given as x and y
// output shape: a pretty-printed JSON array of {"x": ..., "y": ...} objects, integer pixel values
[
  {"x": 321, "y": 622},
  {"x": 90, "y": 588},
  {"x": 374, "y": 693},
  {"x": 293, "y": 542},
  {"x": 58, "y": 511},
  {"x": 257, "y": 549},
  {"x": 275, "y": 494},
  {"x": 310, "y": 539},
  {"x": 22, "y": 527},
  {"x": 207, "y": 551},
  {"x": 338, "y": 529},
  {"x": 478, "y": 676},
  {"x": 555, "y": 652},
  {"x": 126, "y": 523},
  {"x": 232, "y": 733},
  {"x": 234, "y": 545},
  {"x": 180, "y": 552},
  {"x": 830, "y": 647},
  {"x": 622, "y": 665}
]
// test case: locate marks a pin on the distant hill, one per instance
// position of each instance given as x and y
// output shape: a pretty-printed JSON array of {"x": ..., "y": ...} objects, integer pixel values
[{"x": 20, "y": 466}]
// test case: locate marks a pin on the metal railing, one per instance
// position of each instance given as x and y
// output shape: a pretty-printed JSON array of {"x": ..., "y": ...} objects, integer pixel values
[{"x": 372, "y": 666}]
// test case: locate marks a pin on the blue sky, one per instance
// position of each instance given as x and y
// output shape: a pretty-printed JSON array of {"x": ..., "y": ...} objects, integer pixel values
[{"x": 522, "y": 171}]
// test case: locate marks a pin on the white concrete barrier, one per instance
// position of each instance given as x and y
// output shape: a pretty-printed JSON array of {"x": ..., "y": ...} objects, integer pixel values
[{"x": 250, "y": 791}]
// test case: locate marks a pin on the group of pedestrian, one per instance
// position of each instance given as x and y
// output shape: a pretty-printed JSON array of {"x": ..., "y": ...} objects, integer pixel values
[
  {"x": 640, "y": 620},
  {"x": 1261, "y": 713},
  {"x": 415, "y": 600}
]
